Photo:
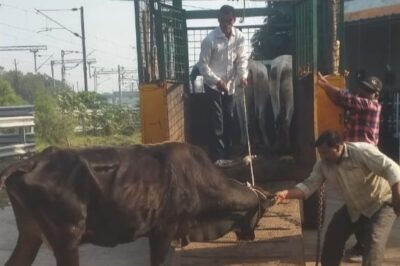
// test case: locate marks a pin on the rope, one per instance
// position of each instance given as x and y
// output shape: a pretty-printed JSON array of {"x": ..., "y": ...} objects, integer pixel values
[{"x": 246, "y": 125}]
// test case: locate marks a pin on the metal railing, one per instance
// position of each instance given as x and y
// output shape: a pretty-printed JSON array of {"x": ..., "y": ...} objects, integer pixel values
[{"x": 17, "y": 135}]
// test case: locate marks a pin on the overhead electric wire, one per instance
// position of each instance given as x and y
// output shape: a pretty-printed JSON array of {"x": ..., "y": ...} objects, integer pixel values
[
  {"x": 32, "y": 31},
  {"x": 58, "y": 23},
  {"x": 18, "y": 8},
  {"x": 106, "y": 53},
  {"x": 64, "y": 40}
]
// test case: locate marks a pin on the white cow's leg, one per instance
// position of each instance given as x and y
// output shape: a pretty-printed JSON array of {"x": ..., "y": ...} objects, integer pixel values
[
  {"x": 262, "y": 122},
  {"x": 240, "y": 114}
]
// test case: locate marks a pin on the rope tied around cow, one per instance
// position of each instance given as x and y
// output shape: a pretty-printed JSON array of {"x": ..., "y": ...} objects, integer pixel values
[{"x": 259, "y": 192}]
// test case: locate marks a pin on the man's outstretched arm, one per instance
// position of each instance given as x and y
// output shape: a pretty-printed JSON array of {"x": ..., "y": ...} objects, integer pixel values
[{"x": 293, "y": 193}]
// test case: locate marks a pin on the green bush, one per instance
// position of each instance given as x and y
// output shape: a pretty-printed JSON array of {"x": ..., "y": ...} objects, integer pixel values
[
  {"x": 51, "y": 125},
  {"x": 8, "y": 96}
]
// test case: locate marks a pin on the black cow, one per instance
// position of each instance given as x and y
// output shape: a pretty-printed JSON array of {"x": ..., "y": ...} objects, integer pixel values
[{"x": 108, "y": 196}]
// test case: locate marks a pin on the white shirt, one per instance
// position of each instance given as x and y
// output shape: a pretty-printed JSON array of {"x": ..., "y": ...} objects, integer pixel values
[{"x": 223, "y": 59}]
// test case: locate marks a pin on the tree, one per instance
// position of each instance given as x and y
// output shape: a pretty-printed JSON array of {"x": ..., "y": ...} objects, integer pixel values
[
  {"x": 51, "y": 125},
  {"x": 7, "y": 95},
  {"x": 26, "y": 85},
  {"x": 276, "y": 36}
]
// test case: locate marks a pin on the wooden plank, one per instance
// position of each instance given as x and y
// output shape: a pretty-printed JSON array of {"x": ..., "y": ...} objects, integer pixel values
[{"x": 278, "y": 241}]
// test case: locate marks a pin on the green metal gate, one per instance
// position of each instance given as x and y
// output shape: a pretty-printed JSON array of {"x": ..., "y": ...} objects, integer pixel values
[
  {"x": 197, "y": 34},
  {"x": 161, "y": 38},
  {"x": 312, "y": 36},
  {"x": 171, "y": 28},
  {"x": 305, "y": 56}
]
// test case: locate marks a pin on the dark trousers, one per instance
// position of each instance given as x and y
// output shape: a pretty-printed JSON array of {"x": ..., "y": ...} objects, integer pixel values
[
  {"x": 376, "y": 233},
  {"x": 220, "y": 107}
]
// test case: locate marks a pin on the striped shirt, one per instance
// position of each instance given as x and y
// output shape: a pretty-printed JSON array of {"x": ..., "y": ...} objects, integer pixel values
[
  {"x": 363, "y": 117},
  {"x": 363, "y": 178}
]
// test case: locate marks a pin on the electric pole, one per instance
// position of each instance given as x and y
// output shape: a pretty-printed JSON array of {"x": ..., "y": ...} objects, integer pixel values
[
  {"x": 84, "y": 50},
  {"x": 16, "y": 75},
  {"x": 52, "y": 73},
  {"x": 64, "y": 62},
  {"x": 31, "y": 48},
  {"x": 119, "y": 85},
  {"x": 82, "y": 36},
  {"x": 62, "y": 67}
]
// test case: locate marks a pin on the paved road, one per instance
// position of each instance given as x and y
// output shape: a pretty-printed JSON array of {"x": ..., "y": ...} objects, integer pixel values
[{"x": 123, "y": 255}]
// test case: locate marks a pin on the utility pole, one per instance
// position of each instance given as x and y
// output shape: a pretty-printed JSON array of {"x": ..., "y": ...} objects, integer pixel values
[
  {"x": 119, "y": 85},
  {"x": 121, "y": 72},
  {"x": 52, "y": 74},
  {"x": 84, "y": 50},
  {"x": 34, "y": 57},
  {"x": 31, "y": 48},
  {"x": 82, "y": 36},
  {"x": 16, "y": 75},
  {"x": 95, "y": 79},
  {"x": 65, "y": 62},
  {"x": 62, "y": 67}
]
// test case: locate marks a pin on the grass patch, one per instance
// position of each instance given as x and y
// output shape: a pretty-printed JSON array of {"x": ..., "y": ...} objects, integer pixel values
[
  {"x": 115, "y": 140},
  {"x": 90, "y": 141}
]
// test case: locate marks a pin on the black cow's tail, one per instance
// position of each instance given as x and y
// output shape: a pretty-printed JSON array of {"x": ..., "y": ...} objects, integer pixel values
[{"x": 21, "y": 167}]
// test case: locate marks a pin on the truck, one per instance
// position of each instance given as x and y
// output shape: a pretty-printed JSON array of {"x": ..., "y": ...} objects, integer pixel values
[{"x": 173, "y": 111}]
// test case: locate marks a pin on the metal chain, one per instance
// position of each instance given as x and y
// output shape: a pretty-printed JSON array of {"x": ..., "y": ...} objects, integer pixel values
[{"x": 321, "y": 212}]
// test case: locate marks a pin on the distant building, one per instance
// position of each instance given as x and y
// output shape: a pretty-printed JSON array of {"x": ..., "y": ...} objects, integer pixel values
[
  {"x": 372, "y": 40},
  {"x": 129, "y": 98},
  {"x": 372, "y": 47}
]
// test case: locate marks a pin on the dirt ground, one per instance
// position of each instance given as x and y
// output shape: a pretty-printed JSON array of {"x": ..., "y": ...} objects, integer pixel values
[{"x": 137, "y": 253}]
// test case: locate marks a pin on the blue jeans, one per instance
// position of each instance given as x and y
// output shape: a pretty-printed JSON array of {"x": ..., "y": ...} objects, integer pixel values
[{"x": 376, "y": 232}]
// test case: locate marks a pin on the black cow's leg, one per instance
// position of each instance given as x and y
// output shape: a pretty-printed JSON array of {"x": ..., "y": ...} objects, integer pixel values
[
  {"x": 67, "y": 257},
  {"x": 159, "y": 246},
  {"x": 25, "y": 250},
  {"x": 29, "y": 236},
  {"x": 63, "y": 240}
]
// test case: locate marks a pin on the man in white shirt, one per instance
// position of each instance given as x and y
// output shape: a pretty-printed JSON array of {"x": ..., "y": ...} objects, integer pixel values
[
  {"x": 223, "y": 64},
  {"x": 369, "y": 183}
]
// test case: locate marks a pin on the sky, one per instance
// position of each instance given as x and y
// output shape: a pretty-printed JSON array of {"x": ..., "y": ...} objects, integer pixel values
[{"x": 109, "y": 28}]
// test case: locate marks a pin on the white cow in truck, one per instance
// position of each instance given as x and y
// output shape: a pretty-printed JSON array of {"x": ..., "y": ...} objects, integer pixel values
[
  {"x": 257, "y": 94},
  {"x": 281, "y": 93}
]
